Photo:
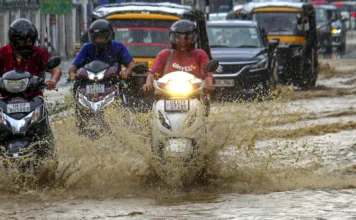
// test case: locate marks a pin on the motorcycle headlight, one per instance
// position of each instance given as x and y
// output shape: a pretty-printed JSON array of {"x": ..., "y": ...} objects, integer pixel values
[
  {"x": 179, "y": 87},
  {"x": 37, "y": 114},
  {"x": 15, "y": 86},
  {"x": 96, "y": 76},
  {"x": 83, "y": 100},
  {"x": 259, "y": 66},
  {"x": 335, "y": 31},
  {"x": 109, "y": 99}
]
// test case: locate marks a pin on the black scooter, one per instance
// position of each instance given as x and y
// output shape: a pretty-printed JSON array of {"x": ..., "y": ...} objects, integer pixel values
[{"x": 26, "y": 137}]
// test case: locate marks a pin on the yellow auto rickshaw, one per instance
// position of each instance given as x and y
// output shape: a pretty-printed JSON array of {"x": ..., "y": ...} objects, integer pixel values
[
  {"x": 143, "y": 27},
  {"x": 294, "y": 25}
]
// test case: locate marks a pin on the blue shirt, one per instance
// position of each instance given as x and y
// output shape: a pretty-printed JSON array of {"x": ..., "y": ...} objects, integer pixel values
[{"x": 116, "y": 56}]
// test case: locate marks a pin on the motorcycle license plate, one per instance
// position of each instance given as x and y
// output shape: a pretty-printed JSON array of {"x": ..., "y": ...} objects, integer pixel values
[
  {"x": 18, "y": 107},
  {"x": 224, "y": 83},
  {"x": 95, "y": 88},
  {"x": 176, "y": 105}
]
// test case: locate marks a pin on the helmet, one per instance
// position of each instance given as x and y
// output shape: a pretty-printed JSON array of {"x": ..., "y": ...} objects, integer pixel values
[
  {"x": 183, "y": 35},
  {"x": 101, "y": 34},
  {"x": 22, "y": 35}
]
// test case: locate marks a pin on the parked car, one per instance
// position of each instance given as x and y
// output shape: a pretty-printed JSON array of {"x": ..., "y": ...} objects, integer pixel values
[
  {"x": 248, "y": 62},
  {"x": 324, "y": 28},
  {"x": 338, "y": 25}
]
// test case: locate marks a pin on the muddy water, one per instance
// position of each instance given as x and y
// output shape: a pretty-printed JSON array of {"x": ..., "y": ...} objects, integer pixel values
[{"x": 290, "y": 157}]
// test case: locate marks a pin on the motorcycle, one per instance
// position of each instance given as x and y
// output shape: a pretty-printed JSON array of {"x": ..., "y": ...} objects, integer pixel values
[
  {"x": 179, "y": 118},
  {"x": 26, "y": 137},
  {"x": 97, "y": 86}
]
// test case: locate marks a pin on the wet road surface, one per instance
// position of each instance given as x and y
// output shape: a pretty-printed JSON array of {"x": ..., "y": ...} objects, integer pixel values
[{"x": 293, "y": 157}]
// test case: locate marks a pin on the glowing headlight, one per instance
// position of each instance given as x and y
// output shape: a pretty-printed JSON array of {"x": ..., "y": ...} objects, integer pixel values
[
  {"x": 335, "y": 31},
  {"x": 36, "y": 114},
  {"x": 259, "y": 66},
  {"x": 179, "y": 87},
  {"x": 15, "y": 86},
  {"x": 96, "y": 76}
]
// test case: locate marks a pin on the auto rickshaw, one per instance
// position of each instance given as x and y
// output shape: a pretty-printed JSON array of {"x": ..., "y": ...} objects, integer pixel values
[
  {"x": 143, "y": 27},
  {"x": 294, "y": 25}
]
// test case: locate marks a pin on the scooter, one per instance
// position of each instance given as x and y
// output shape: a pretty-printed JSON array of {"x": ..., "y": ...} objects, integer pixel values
[
  {"x": 97, "y": 86},
  {"x": 179, "y": 117},
  {"x": 26, "y": 137}
]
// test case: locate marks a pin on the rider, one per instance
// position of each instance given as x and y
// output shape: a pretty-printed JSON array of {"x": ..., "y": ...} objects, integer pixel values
[
  {"x": 21, "y": 53},
  {"x": 184, "y": 57},
  {"x": 103, "y": 47}
]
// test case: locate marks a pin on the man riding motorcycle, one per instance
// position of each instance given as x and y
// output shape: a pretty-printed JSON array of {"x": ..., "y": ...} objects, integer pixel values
[
  {"x": 22, "y": 54},
  {"x": 102, "y": 47},
  {"x": 182, "y": 56}
]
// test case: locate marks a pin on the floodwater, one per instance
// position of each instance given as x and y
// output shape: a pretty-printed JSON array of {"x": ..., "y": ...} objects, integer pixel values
[{"x": 292, "y": 157}]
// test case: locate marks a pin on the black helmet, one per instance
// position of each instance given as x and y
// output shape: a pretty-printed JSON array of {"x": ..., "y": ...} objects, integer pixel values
[
  {"x": 183, "y": 29},
  {"x": 20, "y": 32},
  {"x": 101, "y": 28}
]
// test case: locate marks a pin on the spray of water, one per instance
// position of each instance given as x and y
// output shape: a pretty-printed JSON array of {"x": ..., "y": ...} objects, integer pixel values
[{"x": 242, "y": 155}]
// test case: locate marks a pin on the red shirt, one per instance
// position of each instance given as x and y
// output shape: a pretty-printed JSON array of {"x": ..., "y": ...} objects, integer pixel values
[
  {"x": 192, "y": 62},
  {"x": 36, "y": 64}
]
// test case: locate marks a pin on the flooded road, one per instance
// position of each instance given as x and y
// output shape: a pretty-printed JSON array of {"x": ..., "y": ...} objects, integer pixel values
[{"x": 292, "y": 157}]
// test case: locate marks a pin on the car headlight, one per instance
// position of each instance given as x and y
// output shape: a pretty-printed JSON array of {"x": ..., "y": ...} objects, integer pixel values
[
  {"x": 108, "y": 99},
  {"x": 96, "y": 76},
  {"x": 335, "y": 31},
  {"x": 83, "y": 100},
  {"x": 179, "y": 87},
  {"x": 15, "y": 86},
  {"x": 259, "y": 66},
  {"x": 36, "y": 115}
]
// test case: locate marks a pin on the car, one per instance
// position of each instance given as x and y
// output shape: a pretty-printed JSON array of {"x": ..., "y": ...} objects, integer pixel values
[
  {"x": 294, "y": 25},
  {"x": 348, "y": 11},
  {"x": 338, "y": 25},
  {"x": 217, "y": 16},
  {"x": 324, "y": 28},
  {"x": 248, "y": 62}
]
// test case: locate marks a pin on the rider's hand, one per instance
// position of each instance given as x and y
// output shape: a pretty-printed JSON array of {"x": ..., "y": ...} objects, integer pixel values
[
  {"x": 209, "y": 88},
  {"x": 123, "y": 75},
  {"x": 147, "y": 87},
  {"x": 51, "y": 84},
  {"x": 72, "y": 76}
]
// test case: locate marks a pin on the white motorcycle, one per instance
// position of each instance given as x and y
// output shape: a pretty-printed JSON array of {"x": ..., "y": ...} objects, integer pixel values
[{"x": 179, "y": 117}]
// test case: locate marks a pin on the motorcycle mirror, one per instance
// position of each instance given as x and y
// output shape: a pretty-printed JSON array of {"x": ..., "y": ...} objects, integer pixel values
[
  {"x": 140, "y": 68},
  {"x": 53, "y": 62},
  {"x": 212, "y": 65}
]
